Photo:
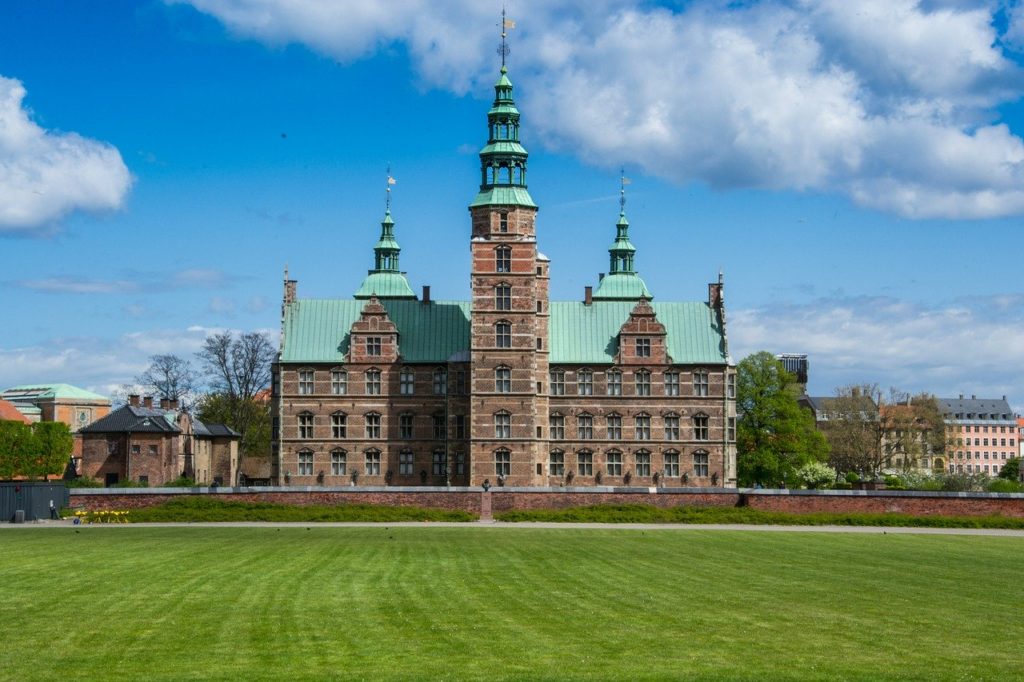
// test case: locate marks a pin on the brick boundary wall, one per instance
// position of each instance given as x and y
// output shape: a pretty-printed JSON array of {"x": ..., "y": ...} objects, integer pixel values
[{"x": 914, "y": 502}]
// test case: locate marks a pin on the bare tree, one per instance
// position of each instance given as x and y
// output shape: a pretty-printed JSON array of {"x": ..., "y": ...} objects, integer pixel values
[
  {"x": 913, "y": 430},
  {"x": 169, "y": 376},
  {"x": 237, "y": 367},
  {"x": 854, "y": 430}
]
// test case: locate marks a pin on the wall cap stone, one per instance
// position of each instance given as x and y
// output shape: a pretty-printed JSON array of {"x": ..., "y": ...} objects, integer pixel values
[{"x": 769, "y": 492}]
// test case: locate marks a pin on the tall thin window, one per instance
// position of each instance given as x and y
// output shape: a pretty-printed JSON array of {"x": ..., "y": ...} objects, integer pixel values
[
  {"x": 732, "y": 385},
  {"x": 503, "y": 335},
  {"x": 306, "y": 463},
  {"x": 556, "y": 463},
  {"x": 339, "y": 382},
  {"x": 672, "y": 427},
  {"x": 373, "y": 425},
  {"x": 614, "y": 427},
  {"x": 700, "y": 383},
  {"x": 439, "y": 462},
  {"x": 440, "y": 381},
  {"x": 731, "y": 429},
  {"x": 671, "y": 383},
  {"x": 503, "y": 222},
  {"x": 556, "y": 425},
  {"x": 460, "y": 382},
  {"x": 643, "y": 427},
  {"x": 585, "y": 463},
  {"x": 374, "y": 345},
  {"x": 614, "y": 382},
  {"x": 305, "y": 382},
  {"x": 460, "y": 426},
  {"x": 502, "y": 425},
  {"x": 339, "y": 424},
  {"x": 502, "y": 462},
  {"x": 672, "y": 464},
  {"x": 700, "y": 463},
  {"x": 503, "y": 297},
  {"x": 439, "y": 427},
  {"x": 503, "y": 380},
  {"x": 614, "y": 463},
  {"x": 406, "y": 381},
  {"x": 643, "y": 464},
  {"x": 305, "y": 425},
  {"x": 503, "y": 259},
  {"x": 460, "y": 463},
  {"x": 373, "y": 463},
  {"x": 643, "y": 382},
  {"x": 373, "y": 382},
  {"x": 339, "y": 462},
  {"x": 585, "y": 382},
  {"x": 406, "y": 461},
  {"x": 585, "y": 426},
  {"x": 700, "y": 427},
  {"x": 557, "y": 382},
  {"x": 405, "y": 422}
]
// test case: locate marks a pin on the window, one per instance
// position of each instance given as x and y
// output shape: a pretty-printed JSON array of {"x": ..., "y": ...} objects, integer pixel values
[
  {"x": 672, "y": 427},
  {"x": 556, "y": 424},
  {"x": 672, "y": 464},
  {"x": 339, "y": 382},
  {"x": 339, "y": 462},
  {"x": 614, "y": 382},
  {"x": 614, "y": 463},
  {"x": 373, "y": 463},
  {"x": 112, "y": 447},
  {"x": 305, "y": 382},
  {"x": 557, "y": 382},
  {"x": 305, "y": 425},
  {"x": 556, "y": 464},
  {"x": 373, "y": 345},
  {"x": 440, "y": 432},
  {"x": 460, "y": 382},
  {"x": 503, "y": 297},
  {"x": 731, "y": 429},
  {"x": 700, "y": 383},
  {"x": 643, "y": 427},
  {"x": 503, "y": 222},
  {"x": 503, "y": 259},
  {"x": 373, "y": 382},
  {"x": 585, "y": 463},
  {"x": 460, "y": 464},
  {"x": 502, "y": 463},
  {"x": 700, "y": 427},
  {"x": 503, "y": 335},
  {"x": 585, "y": 382},
  {"x": 373, "y": 425},
  {"x": 643, "y": 464},
  {"x": 439, "y": 463},
  {"x": 643, "y": 348},
  {"x": 700, "y": 463},
  {"x": 732, "y": 386},
  {"x": 460, "y": 426},
  {"x": 614, "y": 427},
  {"x": 136, "y": 449},
  {"x": 502, "y": 425},
  {"x": 405, "y": 463},
  {"x": 503, "y": 380},
  {"x": 643, "y": 382},
  {"x": 671, "y": 383},
  {"x": 405, "y": 426},
  {"x": 306, "y": 463},
  {"x": 152, "y": 449},
  {"x": 585, "y": 426},
  {"x": 338, "y": 425},
  {"x": 440, "y": 381},
  {"x": 406, "y": 381}
]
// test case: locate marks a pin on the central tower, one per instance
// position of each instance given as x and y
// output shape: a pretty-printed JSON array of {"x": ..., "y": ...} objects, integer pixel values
[{"x": 509, "y": 314}]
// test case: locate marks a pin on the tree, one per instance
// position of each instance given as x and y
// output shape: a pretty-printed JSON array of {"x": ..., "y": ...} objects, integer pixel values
[
  {"x": 1011, "y": 470},
  {"x": 913, "y": 427},
  {"x": 852, "y": 425},
  {"x": 169, "y": 376},
  {"x": 775, "y": 436},
  {"x": 55, "y": 444},
  {"x": 251, "y": 418},
  {"x": 34, "y": 451}
]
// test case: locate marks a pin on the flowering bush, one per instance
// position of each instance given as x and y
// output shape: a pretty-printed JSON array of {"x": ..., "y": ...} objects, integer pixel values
[{"x": 816, "y": 474}]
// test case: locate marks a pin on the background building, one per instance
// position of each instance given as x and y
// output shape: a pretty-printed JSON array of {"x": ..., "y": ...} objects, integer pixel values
[
  {"x": 510, "y": 387},
  {"x": 71, "y": 405},
  {"x": 983, "y": 433}
]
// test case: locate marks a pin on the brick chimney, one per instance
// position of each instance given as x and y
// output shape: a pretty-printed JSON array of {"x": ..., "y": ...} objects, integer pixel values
[
  {"x": 173, "y": 403},
  {"x": 147, "y": 401},
  {"x": 133, "y": 399},
  {"x": 426, "y": 294},
  {"x": 165, "y": 404},
  {"x": 588, "y": 295}
]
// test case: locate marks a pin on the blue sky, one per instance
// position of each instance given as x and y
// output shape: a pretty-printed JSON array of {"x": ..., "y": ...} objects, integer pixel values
[{"x": 855, "y": 168}]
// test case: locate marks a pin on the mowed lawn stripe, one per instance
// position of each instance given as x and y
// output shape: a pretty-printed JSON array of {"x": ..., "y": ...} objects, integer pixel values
[{"x": 476, "y": 603}]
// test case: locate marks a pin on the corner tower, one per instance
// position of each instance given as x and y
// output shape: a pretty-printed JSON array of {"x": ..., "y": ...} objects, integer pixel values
[{"x": 509, "y": 315}]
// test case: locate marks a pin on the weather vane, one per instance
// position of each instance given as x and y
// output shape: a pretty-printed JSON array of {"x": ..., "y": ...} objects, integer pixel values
[
  {"x": 387, "y": 191},
  {"x": 505, "y": 24},
  {"x": 623, "y": 181}
]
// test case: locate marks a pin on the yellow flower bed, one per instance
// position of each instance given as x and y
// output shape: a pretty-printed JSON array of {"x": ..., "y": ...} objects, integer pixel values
[{"x": 103, "y": 516}]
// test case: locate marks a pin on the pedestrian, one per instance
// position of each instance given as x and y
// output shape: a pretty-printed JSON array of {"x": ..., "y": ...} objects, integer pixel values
[{"x": 53, "y": 510}]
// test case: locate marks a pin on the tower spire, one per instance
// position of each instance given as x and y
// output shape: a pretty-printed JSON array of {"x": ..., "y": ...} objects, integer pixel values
[
  {"x": 386, "y": 280},
  {"x": 622, "y": 282}
]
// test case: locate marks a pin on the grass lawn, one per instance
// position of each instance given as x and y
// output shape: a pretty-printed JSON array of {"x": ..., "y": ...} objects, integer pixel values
[{"x": 506, "y": 603}]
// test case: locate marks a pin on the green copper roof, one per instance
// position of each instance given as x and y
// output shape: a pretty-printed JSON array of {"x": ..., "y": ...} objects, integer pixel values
[
  {"x": 318, "y": 330},
  {"x": 385, "y": 285},
  {"x": 622, "y": 286},
  {"x": 589, "y": 334},
  {"x": 504, "y": 196},
  {"x": 503, "y": 147},
  {"x": 50, "y": 392}
]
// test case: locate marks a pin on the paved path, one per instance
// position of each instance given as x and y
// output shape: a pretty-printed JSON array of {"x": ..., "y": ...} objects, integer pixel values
[{"x": 876, "y": 530}]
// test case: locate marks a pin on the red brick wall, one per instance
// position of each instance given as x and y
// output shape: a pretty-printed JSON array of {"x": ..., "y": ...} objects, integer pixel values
[{"x": 503, "y": 500}]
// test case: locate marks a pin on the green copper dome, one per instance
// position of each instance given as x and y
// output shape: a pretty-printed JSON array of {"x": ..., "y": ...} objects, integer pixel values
[
  {"x": 503, "y": 158},
  {"x": 386, "y": 280},
  {"x": 622, "y": 281}
]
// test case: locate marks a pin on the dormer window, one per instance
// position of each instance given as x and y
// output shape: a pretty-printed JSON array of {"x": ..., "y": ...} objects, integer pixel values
[{"x": 374, "y": 345}]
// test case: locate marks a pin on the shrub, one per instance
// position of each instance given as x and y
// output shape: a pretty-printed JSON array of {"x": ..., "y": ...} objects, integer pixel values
[
  {"x": 842, "y": 485},
  {"x": 180, "y": 482},
  {"x": 816, "y": 474},
  {"x": 84, "y": 482},
  {"x": 893, "y": 481},
  {"x": 1002, "y": 485},
  {"x": 191, "y": 508},
  {"x": 1011, "y": 470},
  {"x": 852, "y": 477}
]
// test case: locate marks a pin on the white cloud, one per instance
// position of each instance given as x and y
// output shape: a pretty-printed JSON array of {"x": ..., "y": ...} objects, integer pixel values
[
  {"x": 78, "y": 285},
  {"x": 890, "y": 102},
  {"x": 947, "y": 349},
  {"x": 149, "y": 282},
  {"x": 45, "y": 174}
]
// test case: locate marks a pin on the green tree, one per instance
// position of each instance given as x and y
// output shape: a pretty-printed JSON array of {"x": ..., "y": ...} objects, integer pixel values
[
  {"x": 775, "y": 436},
  {"x": 55, "y": 446},
  {"x": 19, "y": 449},
  {"x": 249, "y": 416},
  {"x": 1011, "y": 470}
]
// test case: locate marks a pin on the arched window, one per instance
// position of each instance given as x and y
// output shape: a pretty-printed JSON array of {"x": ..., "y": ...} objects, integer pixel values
[
  {"x": 503, "y": 259},
  {"x": 503, "y": 380},
  {"x": 503, "y": 297},
  {"x": 503, "y": 334}
]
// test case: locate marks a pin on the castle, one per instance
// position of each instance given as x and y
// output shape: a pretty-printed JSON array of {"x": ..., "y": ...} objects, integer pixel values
[{"x": 508, "y": 388}]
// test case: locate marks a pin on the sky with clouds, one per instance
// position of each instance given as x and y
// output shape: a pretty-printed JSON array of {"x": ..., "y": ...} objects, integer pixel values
[{"x": 855, "y": 167}]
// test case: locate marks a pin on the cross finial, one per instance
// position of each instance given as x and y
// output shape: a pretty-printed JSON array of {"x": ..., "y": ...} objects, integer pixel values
[{"x": 503, "y": 48}]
